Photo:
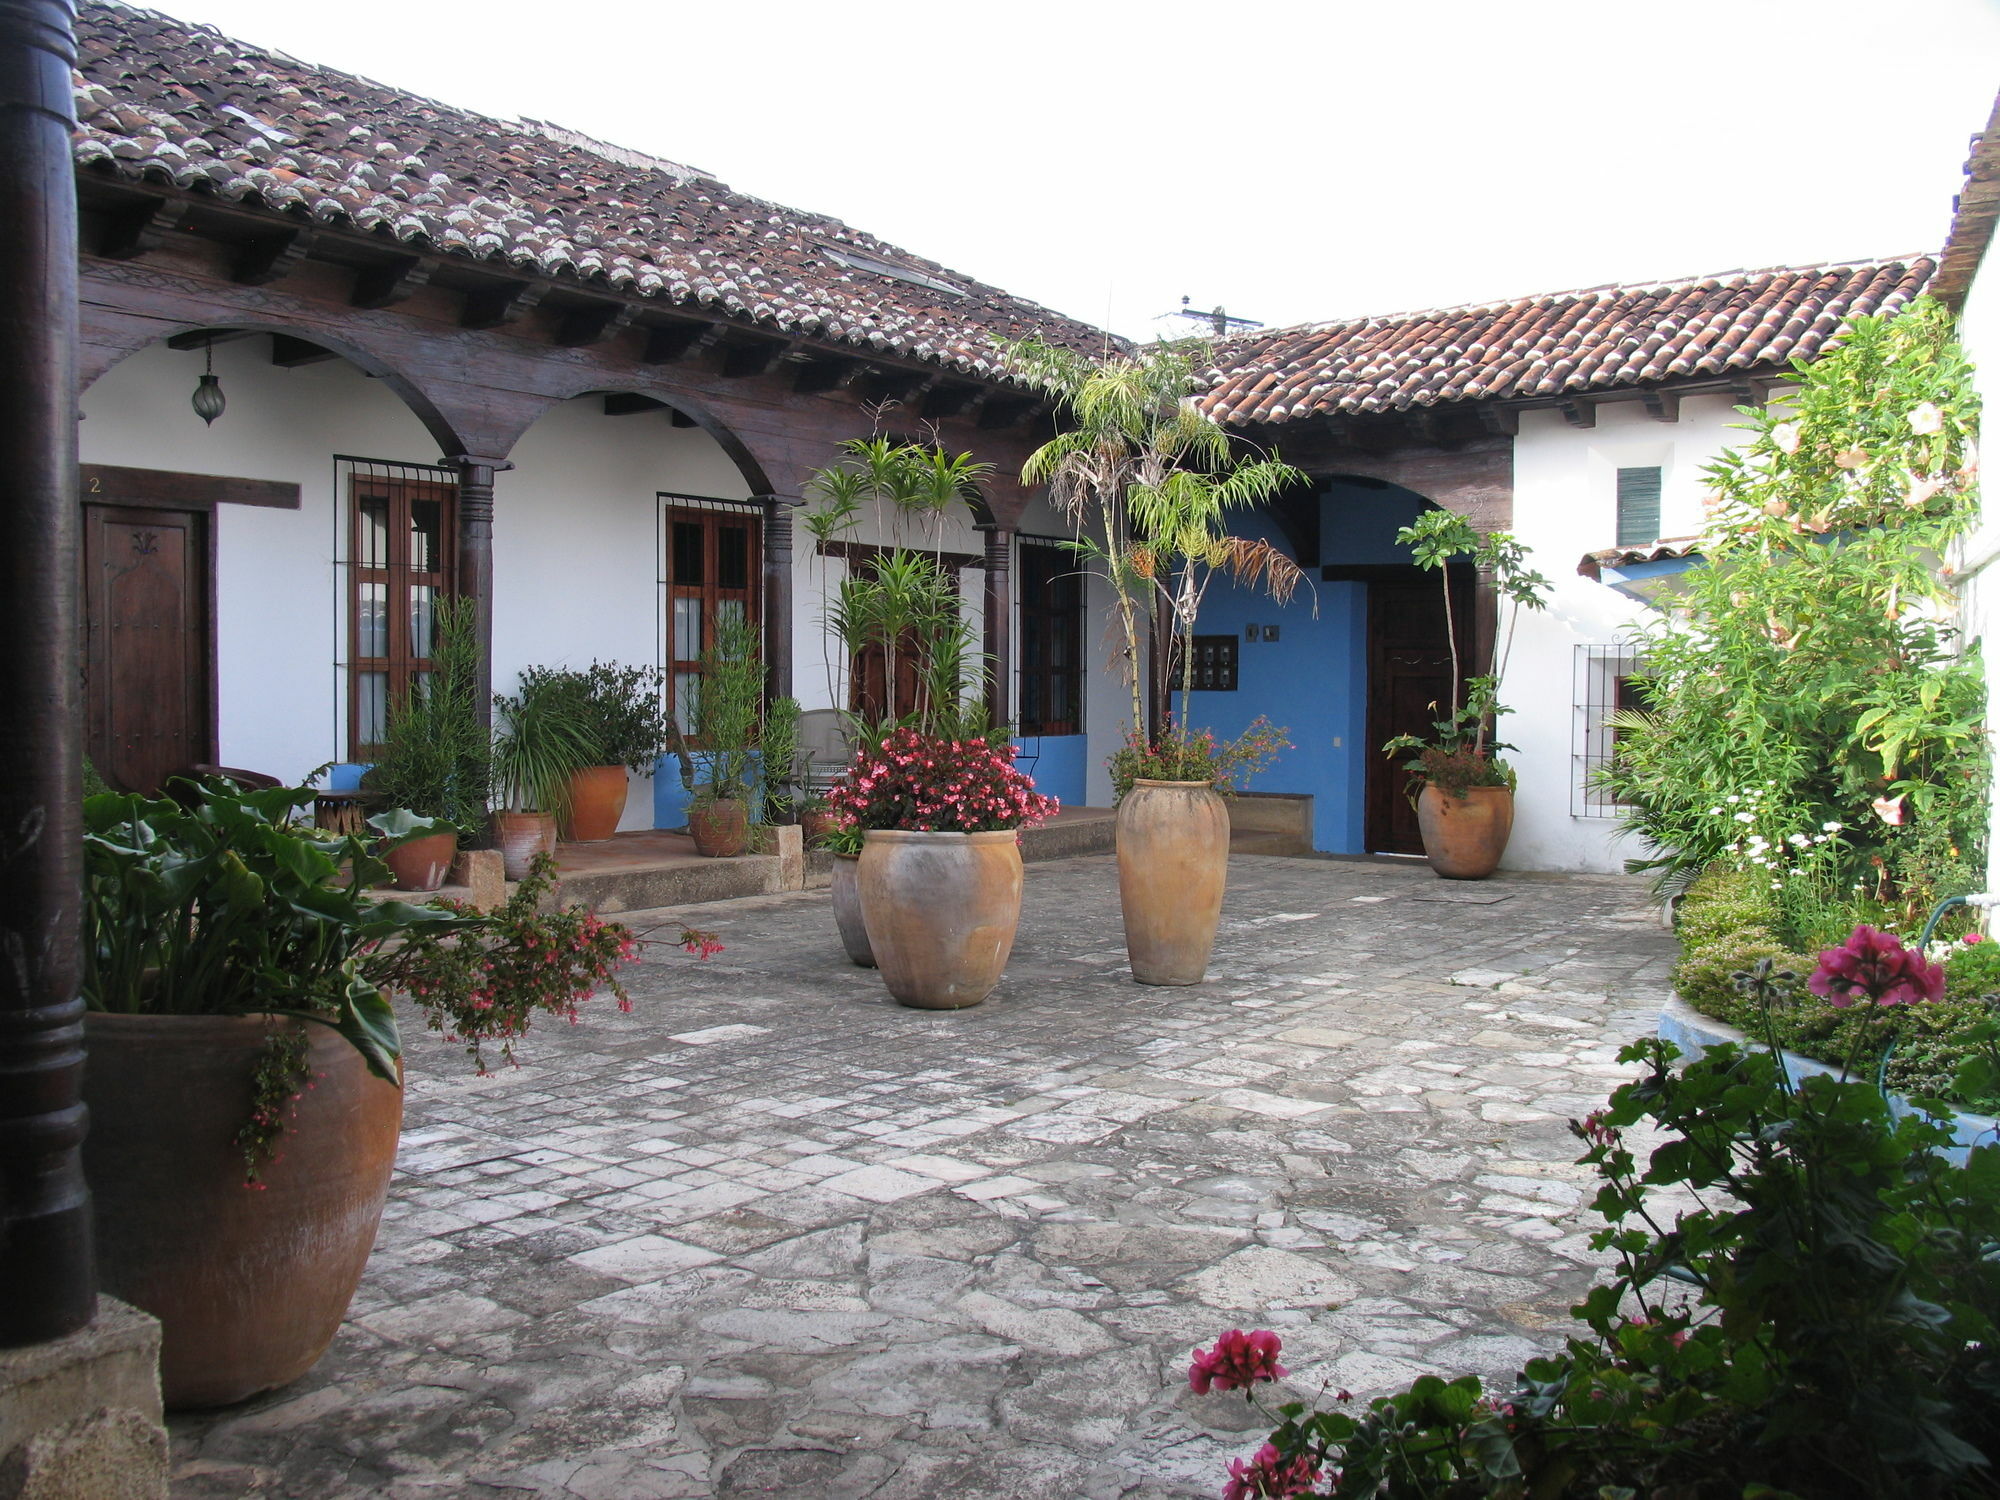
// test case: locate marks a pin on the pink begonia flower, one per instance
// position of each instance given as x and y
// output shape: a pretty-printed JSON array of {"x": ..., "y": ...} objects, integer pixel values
[
  {"x": 1268, "y": 1477},
  {"x": 1876, "y": 969},
  {"x": 1238, "y": 1359}
]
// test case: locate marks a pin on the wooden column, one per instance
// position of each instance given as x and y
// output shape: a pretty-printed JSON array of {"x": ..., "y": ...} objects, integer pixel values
[
  {"x": 475, "y": 561},
  {"x": 999, "y": 623},
  {"x": 47, "y": 1280},
  {"x": 777, "y": 602}
]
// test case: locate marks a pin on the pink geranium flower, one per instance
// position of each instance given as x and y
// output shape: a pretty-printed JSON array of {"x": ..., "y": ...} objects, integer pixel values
[
  {"x": 1238, "y": 1359},
  {"x": 1875, "y": 968},
  {"x": 1267, "y": 1476}
]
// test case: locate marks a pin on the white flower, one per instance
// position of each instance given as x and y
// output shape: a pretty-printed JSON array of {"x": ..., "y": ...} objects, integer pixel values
[
  {"x": 1744, "y": 817},
  {"x": 1715, "y": 812},
  {"x": 1732, "y": 797},
  {"x": 1829, "y": 828},
  {"x": 1786, "y": 436},
  {"x": 1798, "y": 841},
  {"x": 1925, "y": 417}
]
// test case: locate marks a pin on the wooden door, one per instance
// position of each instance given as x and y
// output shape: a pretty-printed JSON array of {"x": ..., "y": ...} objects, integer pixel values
[
  {"x": 1409, "y": 669},
  {"x": 149, "y": 710}
]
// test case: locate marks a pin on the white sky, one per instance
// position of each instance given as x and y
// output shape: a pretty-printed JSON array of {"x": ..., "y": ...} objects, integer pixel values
[{"x": 1291, "y": 161}]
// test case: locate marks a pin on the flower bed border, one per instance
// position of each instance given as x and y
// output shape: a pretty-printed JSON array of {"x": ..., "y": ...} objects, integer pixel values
[{"x": 1694, "y": 1033}]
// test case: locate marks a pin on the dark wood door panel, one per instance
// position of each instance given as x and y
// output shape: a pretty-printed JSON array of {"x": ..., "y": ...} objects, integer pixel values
[
  {"x": 1409, "y": 670},
  {"x": 146, "y": 653}
]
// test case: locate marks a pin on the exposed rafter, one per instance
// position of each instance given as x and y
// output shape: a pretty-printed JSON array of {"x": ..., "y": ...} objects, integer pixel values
[
  {"x": 1497, "y": 420},
  {"x": 999, "y": 412},
  {"x": 1662, "y": 406},
  {"x": 1578, "y": 411},
  {"x": 386, "y": 285},
  {"x": 497, "y": 306},
  {"x": 270, "y": 257},
  {"x": 139, "y": 227},
  {"x": 668, "y": 343},
  {"x": 741, "y": 361},
  {"x": 951, "y": 401},
  {"x": 202, "y": 338},
  {"x": 598, "y": 323},
  {"x": 819, "y": 374}
]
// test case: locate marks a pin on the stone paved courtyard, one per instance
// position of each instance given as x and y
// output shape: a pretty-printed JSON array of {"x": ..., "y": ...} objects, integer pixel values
[{"x": 772, "y": 1234}]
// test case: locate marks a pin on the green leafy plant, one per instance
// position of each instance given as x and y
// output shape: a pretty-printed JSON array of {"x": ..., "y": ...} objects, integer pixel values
[
  {"x": 1820, "y": 1323},
  {"x": 728, "y": 704},
  {"x": 436, "y": 758},
  {"x": 1813, "y": 654},
  {"x": 1461, "y": 752},
  {"x": 619, "y": 709},
  {"x": 542, "y": 739},
  {"x": 1177, "y": 754},
  {"x": 778, "y": 760}
]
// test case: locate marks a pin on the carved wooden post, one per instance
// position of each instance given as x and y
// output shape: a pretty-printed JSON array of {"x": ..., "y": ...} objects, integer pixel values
[
  {"x": 47, "y": 1281},
  {"x": 475, "y": 562},
  {"x": 999, "y": 624},
  {"x": 777, "y": 604}
]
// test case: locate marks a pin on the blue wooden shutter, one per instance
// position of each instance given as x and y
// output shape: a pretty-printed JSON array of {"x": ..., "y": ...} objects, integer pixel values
[{"x": 1638, "y": 506}]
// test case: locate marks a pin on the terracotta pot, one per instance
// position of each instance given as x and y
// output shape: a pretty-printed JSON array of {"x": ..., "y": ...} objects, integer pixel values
[
  {"x": 596, "y": 803},
  {"x": 814, "y": 825},
  {"x": 941, "y": 910},
  {"x": 1464, "y": 836},
  {"x": 520, "y": 836},
  {"x": 249, "y": 1284},
  {"x": 847, "y": 910},
  {"x": 421, "y": 864},
  {"x": 1173, "y": 861},
  {"x": 720, "y": 829}
]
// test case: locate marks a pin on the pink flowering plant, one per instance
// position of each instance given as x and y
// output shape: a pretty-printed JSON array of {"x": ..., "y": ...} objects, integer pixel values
[
  {"x": 1803, "y": 1303},
  {"x": 1178, "y": 753},
  {"x": 933, "y": 783}
]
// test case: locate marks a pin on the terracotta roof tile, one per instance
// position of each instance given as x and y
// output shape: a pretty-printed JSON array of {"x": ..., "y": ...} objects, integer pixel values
[
  {"x": 1562, "y": 344},
  {"x": 165, "y": 102}
]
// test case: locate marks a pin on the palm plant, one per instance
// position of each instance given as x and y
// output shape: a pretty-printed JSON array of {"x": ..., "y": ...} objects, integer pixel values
[
  {"x": 1149, "y": 479},
  {"x": 728, "y": 707},
  {"x": 542, "y": 741},
  {"x": 436, "y": 759}
]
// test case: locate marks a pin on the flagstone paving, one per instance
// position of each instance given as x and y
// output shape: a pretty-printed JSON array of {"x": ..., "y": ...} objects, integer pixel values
[{"x": 771, "y": 1234}]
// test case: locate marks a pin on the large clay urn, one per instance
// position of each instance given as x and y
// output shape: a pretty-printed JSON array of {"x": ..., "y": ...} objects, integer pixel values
[
  {"x": 1173, "y": 861},
  {"x": 721, "y": 828},
  {"x": 596, "y": 803},
  {"x": 421, "y": 864},
  {"x": 249, "y": 1283},
  {"x": 941, "y": 910},
  {"x": 520, "y": 836},
  {"x": 847, "y": 910},
  {"x": 1465, "y": 833}
]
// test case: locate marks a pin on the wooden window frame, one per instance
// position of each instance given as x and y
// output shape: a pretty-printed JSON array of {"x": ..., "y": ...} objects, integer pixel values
[
  {"x": 867, "y": 669},
  {"x": 712, "y": 519},
  {"x": 1039, "y": 612},
  {"x": 397, "y": 577}
]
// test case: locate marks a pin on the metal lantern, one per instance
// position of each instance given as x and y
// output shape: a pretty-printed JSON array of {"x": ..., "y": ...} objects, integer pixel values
[{"x": 208, "y": 400}]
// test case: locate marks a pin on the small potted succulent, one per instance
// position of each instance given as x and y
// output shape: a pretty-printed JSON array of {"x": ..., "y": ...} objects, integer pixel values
[{"x": 940, "y": 868}]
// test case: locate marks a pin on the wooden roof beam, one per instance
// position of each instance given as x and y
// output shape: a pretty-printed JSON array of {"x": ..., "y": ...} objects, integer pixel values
[
  {"x": 1498, "y": 421},
  {"x": 202, "y": 338},
  {"x": 288, "y": 353},
  {"x": 669, "y": 343},
  {"x": 497, "y": 306},
  {"x": 819, "y": 374},
  {"x": 997, "y": 412},
  {"x": 139, "y": 227},
  {"x": 743, "y": 361},
  {"x": 1662, "y": 406},
  {"x": 598, "y": 323},
  {"x": 270, "y": 257},
  {"x": 897, "y": 385},
  {"x": 1578, "y": 411},
  {"x": 391, "y": 283},
  {"x": 630, "y": 404},
  {"x": 951, "y": 401}
]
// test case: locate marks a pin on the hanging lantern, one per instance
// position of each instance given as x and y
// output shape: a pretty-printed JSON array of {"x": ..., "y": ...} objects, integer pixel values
[{"x": 208, "y": 400}]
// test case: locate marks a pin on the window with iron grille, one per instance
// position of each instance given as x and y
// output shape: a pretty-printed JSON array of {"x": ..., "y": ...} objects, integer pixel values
[
  {"x": 1638, "y": 506},
  {"x": 1049, "y": 580},
  {"x": 401, "y": 554},
  {"x": 711, "y": 566},
  {"x": 1606, "y": 683}
]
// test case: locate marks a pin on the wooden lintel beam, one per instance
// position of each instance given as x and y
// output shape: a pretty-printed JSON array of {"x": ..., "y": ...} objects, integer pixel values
[
  {"x": 897, "y": 385},
  {"x": 669, "y": 343},
  {"x": 386, "y": 285},
  {"x": 630, "y": 404},
  {"x": 133, "y": 230},
  {"x": 270, "y": 257},
  {"x": 1662, "y": 406},
  {"x": 202, "y": 338},
  {"x": 818, "y": 375},
  {"x": 949, "y": 401},
  {"x": 742, "y": 361},
  {"x": 288, "y": 353},
  {"x": 596, "y": 324},
  {"x": 1499, "y": 421},
  {"x": 497, "y": 306},
  {"x": 1578, "y": 412}
]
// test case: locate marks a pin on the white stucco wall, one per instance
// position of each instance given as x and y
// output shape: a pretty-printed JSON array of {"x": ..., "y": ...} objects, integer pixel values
[
  {"x": 1565, "y": 504},
  {"x": 1979, "y": 556}
]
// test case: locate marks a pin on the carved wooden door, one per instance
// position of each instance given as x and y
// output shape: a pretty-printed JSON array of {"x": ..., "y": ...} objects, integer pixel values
[
  {"x": 1409, "y": 669},
  {"x": 148, "y": 709}
]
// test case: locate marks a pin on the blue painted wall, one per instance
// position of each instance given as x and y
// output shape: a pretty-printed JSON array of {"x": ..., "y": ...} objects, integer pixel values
[
  {"x": 670, "y": 799},
  {"x": 1060, "y": 767},
  {"x": 1311, "y": 681}
]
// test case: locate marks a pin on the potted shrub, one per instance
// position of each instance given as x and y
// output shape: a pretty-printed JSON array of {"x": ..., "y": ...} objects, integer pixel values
[
  {"x": 728, "y": 705},
  {"x": 1463, "y": 791},
  {"x": 940, "y": 868},
  {"x": 623, "y": 715},
  {"x": 244, "y": 1058},
  {"x": 436, "y": 760},
  {"x": 540, "y": 742},
  {"x": 1149, "y": 482}
]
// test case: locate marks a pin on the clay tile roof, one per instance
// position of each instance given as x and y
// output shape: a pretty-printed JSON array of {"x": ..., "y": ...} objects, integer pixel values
[
  {"x": 1672, "y": 550},
  {"x": 1974, "y": 213},
  {"x": 1561, "y": 344},
  {"x": 164, "y": 102}
]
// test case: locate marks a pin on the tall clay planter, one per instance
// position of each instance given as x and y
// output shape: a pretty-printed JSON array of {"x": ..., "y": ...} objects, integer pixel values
[
  {"x": 847, "y": 910},
  {"x": 249, "y": 1284},
  {"x": 596, "y": 803},
  {"x": 421, "y": 864},
  {"x": 720, "y": 829},
  {"x": 1173, "y": 861},
  {"x": 1465, "y": 835},
  {"x": 941, "y": 910},
  {"x": 520, "y": 836}
]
